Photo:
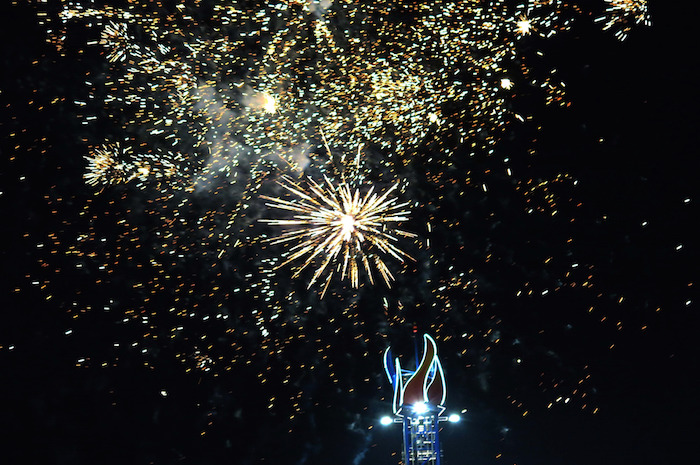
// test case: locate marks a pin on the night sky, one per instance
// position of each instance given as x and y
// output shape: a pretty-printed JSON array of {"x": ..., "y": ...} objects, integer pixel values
[{"x": 144, "y": 322}]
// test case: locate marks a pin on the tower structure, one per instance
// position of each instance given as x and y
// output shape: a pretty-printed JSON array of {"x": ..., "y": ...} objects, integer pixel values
[{"x": 418, "y": 403}]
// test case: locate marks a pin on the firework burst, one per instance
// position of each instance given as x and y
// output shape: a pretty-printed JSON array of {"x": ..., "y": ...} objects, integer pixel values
[
  {"x": 340, "y": 230},
  {"x": 622, "y": 15},
  {"x": 113, "y": 164},
  {"x": 213, "y": 98}
]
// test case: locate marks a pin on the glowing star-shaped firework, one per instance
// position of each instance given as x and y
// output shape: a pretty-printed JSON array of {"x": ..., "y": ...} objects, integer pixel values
[
  {"x": 523, "y": 25},
  {"x": 506, "y": 83},
  {"x": 337, "y": 228}
]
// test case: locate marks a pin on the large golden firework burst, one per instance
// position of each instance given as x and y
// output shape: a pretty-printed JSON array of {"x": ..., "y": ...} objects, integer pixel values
[{"x": 339, "y": 230}]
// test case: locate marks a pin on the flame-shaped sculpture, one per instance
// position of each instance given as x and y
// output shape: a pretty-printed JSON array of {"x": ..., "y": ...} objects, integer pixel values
[{"x": 425, "y": 385}]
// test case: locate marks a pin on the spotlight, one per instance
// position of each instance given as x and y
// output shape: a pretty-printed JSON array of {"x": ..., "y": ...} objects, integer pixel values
[
  {"x": 454, "y": 418},
  {"x": 420, "y": 407},
  {"x": 386, "y": 421}
]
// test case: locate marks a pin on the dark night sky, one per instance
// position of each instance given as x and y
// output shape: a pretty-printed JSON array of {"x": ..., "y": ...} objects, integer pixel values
[{"x": 629, "y": 138}]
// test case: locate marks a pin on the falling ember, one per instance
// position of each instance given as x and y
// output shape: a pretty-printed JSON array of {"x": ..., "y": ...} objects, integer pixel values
[{"x": 338, "y": 228}]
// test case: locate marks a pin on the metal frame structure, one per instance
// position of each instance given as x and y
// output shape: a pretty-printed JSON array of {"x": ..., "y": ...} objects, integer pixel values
[{"x": 421, "y": 439}]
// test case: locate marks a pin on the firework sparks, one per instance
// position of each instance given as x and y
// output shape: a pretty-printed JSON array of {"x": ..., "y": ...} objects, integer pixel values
[
  {"x": 382, "y": 81},
  {"x": 113, "y": 164},
  {"x": 622, "y": 15},
  {"x": 242, "y": 88},
  {"x": 104, "y": 168},
  {"x": 116, "y": 39},
  {"x": 340, "y": 228}
]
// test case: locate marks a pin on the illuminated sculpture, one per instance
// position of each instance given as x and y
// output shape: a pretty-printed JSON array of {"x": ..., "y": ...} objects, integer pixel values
[{"x": 418, "y": 403}]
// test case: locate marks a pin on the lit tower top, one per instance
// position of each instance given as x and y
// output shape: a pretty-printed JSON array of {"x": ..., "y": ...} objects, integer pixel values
[
  {"x": 426, "y": 385},
  {"x": 418, "y": 403}
]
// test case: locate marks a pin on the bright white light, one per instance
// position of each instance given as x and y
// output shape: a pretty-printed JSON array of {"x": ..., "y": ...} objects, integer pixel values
[
  {"x": 268, "y": 103},
  {"x": 144, "y": 171},
  {"x": 347, "y": 224},
  {"x": 523, "y": 25},
  {"x": 420, "y": 407},
  {"x": 454, "y": 418},
  {"x": 386, "y": 421},
  {"x": 506, "y": 83}
]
